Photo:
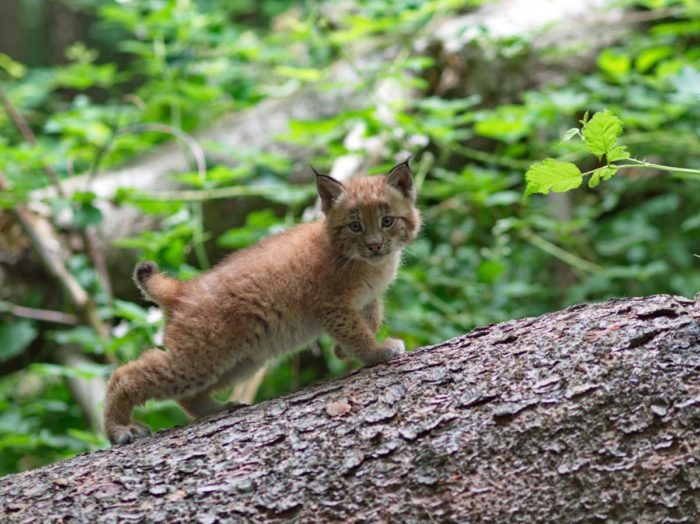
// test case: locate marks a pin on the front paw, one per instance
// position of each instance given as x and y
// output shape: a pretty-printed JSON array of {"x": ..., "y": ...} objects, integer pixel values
[{"x": 389, "y": 349}]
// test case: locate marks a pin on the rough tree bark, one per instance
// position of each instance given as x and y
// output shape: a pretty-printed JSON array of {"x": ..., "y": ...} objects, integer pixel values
[{"x": 591, "y": 413}]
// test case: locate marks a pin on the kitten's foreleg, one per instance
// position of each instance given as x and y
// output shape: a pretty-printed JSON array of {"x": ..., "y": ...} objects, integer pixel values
[
  {"x": 350, "y": 329},
  {"x": 373, "y": 313}
]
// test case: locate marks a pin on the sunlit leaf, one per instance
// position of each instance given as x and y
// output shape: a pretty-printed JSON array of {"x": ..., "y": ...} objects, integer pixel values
[
  {"x": 617, "y": 153},
  {"x": 650, "y": 57},
  {"x": 12, "y": 68},
  {"x": 508, "y": 123},
  {"x": 615, "y": 63},
  {"x": 552, "y": 175},
  {"x": 602, "y": 173},
  {"x": 130, "y": 311},
  {"x": 601, "y": 131},
  {"x": 306, "y": 74}
]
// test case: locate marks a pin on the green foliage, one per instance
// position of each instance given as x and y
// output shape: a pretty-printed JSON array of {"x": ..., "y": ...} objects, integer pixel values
[
  {"x": 155, "y": 70},
  {"x": 600, "y": 135},
  {"x": 552, "y": 175},
  {"x": 15, "y": 337}
]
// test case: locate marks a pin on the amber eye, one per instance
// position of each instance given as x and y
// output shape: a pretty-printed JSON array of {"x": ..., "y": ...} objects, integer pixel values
[
  {"x": 355, "y": 226},
  {"x": 387, "y": 221}
]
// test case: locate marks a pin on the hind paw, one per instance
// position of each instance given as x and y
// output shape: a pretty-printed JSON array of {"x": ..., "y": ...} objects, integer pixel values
[{"x": 120, "y": 435}]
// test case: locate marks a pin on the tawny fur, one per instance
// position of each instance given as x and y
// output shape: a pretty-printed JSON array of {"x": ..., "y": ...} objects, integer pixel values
[{"x": 273, "y": 298}]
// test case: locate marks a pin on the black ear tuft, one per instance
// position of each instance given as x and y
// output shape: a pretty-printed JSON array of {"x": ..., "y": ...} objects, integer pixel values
[
  {"x": 329, "y": 189},
  {"x": 401, "y": 178},
  {"x": 144, "y": 270}
]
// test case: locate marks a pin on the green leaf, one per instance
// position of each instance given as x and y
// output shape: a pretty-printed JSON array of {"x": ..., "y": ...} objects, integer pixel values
[
  {"x": 687, "y": 82},
  {"x": 617, "y": 153},
  {"x": 614, "y": 63},
  {"x": 552, "y": 175},
  {"x": 258, "y": 224},
  {"x": 83, "y": 336},
  {"x": 130, "y": 311},
  {"x": 584, "y": 120},
  {"x": 489, "y": 271},
  {"x": 302, "y": 73},
  {"x": 87, "y": 214},
  {"x": 571, "y": 133},
  {"x": 650, "y": 57},
  {"x": 12, "y": 68},
  {"x": 15, "y": 337},
  {"x": 604, "y": 173},
  {"x": 508, "y": 123},
  {"x": 83, "y": 197},
  {"x": 600, "y": 133}
]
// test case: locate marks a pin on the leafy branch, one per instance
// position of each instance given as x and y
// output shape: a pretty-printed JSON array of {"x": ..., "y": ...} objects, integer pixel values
[{"x": 600, "y": 135}]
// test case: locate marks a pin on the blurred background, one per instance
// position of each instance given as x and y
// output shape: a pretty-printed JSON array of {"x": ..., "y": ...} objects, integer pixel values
[{"x": 180, "y": 130}]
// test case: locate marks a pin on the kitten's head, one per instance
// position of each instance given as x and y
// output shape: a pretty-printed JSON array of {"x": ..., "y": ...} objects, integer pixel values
[{"x": 368, "y": 218}]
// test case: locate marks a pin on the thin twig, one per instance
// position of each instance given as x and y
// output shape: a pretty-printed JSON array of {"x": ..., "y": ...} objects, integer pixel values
[
  {"x": 45, "y": 315},
  {"x": 557, "y": 252},
  {"x": 200, "y": 195},
  {"x": 192, "y": 144},
  {"x": 490, "y": 158},
  {"x": 201, "y": 162},
  {"x": 99, "y": 157},
  {"x": 45, "y": 242},
  {"x": 98, "y": 259},
  {"x": 24, "y": 129}
]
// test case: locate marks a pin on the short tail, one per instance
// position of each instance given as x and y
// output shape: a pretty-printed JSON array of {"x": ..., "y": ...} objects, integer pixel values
[{"x": 155, "y": 286}]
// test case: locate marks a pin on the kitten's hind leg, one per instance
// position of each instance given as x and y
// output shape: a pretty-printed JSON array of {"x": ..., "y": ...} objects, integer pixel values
[
  {"x": 155, "y": 375},
  {"x": 202, "y": 405}
]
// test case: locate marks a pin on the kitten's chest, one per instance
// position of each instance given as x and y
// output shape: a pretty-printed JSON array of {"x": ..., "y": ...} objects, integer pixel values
[{"x": 374, "y": 283}]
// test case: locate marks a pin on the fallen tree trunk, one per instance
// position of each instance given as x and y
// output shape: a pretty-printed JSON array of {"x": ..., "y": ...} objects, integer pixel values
[{"x": 591, "y": 413}]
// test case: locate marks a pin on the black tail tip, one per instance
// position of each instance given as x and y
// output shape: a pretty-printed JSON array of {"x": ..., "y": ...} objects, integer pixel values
[{"x": 144, "y": 270}]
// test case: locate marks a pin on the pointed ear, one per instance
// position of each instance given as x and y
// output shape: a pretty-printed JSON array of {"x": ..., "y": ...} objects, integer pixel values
[
  {"x": 401, "y": 178},
  {"x": 329, "y": 189}
]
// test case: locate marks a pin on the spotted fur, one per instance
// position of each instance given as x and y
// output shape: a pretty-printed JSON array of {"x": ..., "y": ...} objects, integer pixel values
[{"x": 273, "y": 298}]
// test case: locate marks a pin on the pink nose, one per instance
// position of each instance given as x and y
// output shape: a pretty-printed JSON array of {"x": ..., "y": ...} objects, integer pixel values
[{"x": 374, "y": 248}]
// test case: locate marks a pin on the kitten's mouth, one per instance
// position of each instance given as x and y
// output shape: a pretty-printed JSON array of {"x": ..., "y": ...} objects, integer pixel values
[{"x": 375, "y": 256}]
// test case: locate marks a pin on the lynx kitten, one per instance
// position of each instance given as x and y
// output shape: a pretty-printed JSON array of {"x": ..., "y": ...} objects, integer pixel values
[{"x": 272, "y": 298}]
